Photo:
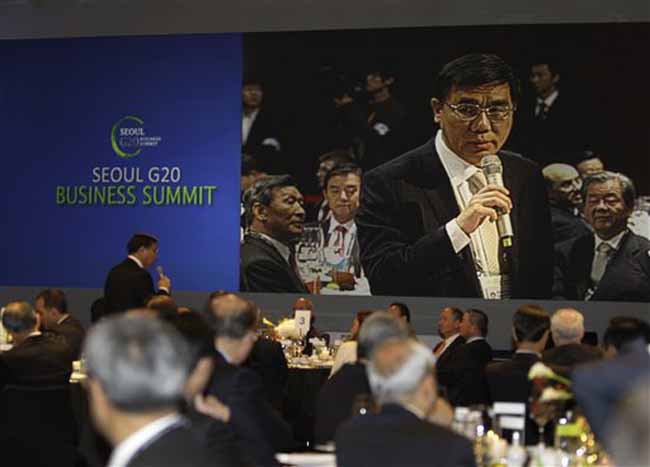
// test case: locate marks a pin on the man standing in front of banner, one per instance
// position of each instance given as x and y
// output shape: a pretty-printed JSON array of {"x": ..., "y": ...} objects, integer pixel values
[{"x": 427, "y": 220}]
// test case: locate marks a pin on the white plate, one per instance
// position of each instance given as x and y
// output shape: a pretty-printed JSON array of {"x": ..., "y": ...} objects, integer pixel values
[{"x": 307, "y": 459}]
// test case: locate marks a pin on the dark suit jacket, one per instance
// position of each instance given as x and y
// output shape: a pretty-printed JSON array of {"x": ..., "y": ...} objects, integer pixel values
[
  {"x": 447, "y": 365},
  {"x": 570, "y": 355},
  {"x": 626, "y": 278},
  {"x": 267, "y": 360},
  {"x": 43, "y": 360},
  {"x": 127, "y": 286},
  {"x": 74, "y": 333},
  {"x": 336, "y": 399},
  {"x": 263, "y": 269},
  {"x": 599, "y": 386},
  {"x": 468, "y": 384},
  {"x": 218, "y": 438},
  {"x": 355, "y": 261},
  {"x": 566, "y": 226},
  {"x": 264, "y": 127},
  {"x": 395, "y": 437},
  {"x": 405, "y": 249},
  {"x": 259, "y": 429},
  {"x": 175, "y": 447}
]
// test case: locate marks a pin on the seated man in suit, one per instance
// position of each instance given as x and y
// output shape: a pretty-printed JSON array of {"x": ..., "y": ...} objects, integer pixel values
[
  {"x": 259, "y": 429},
  {"x": 52, "y": 307},
  {"x": 338, "y": 395},
  {"x": 426, "y": 222},
  {"x": 129, "y": 285},
  {"x": 401, "y": 311},
  {"x": 612, "y": 263},
  {"x": 589, "y": 163},
  {"x": 275, "y": 217},
  {"x": 137, "y": 367},
  {"x": 622, "y": 332},
  {"x": 468, "y": 384},
  {"x": 445, "y": 351},
  {"x": 402, "y": 379},
  {"x": 36, "y": 359},
  {"x": 508, "y": 381},
  {"x": 341, "y": 191},
  {"x": 564, "y": 187},
  {"x": 567, "y": 331}
]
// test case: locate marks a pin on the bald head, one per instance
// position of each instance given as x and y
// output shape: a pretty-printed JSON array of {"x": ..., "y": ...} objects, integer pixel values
[
  {"x": 567, "y": 326},
  {"x": 563, "y": 184},
  {"x": 19, "y": 318}
]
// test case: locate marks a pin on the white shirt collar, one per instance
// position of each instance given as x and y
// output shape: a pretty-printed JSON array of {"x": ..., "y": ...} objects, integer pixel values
[
  {"x": 549, "y": 99},
  {"x": 529, "y": 352},
  {"x": 458, "y": 170},
  {"x": 128, "y": 448},
  {"x": 225, "y": 356},
  {"x": 63, "y": 318},
  {"x": 415, "y": 411},
  {"x": 613, "y": 242},
  {"x": 35, "y": 333},
  {"x": 136, "y": 260},
  {"x": 474, "y": 339},
  {"x": 283, "y": 249},
  {"x": 350, "y": 226}
]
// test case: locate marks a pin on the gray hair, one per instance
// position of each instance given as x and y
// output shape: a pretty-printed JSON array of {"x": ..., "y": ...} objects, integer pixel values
[
  {"x": 402, "y": 382},
  {"x": 262, "y": 192},
  {"x": 627, "y": 186},
  {"x": 627, "y": 437},
  {"x": 567, "y": 326},
  {"x": 377, "y": 328},
  {"x": 141, "y": 363},
  {"x": 19, "y": 317}
]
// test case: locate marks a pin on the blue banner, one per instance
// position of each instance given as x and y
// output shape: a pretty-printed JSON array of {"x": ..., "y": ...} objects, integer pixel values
[{"x": 105, "y": 137}]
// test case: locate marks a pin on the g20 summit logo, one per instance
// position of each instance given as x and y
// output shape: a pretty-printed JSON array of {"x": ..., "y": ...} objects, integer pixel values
[{"x": 128, "y": 137}]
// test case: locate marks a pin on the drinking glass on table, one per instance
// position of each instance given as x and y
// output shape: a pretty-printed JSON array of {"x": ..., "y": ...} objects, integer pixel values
[{"x": 309, "y": 254}]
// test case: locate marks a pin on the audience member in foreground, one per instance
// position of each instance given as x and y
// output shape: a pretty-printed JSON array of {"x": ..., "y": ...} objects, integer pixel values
[
  {"x": 466, "y": 382},
  {"x": 339, "y": 394},
  {"x": 402, "y": 378},
  {"x": 52, "y": 307},
  {"x": 567, "y": 331},
  {"x": 36, "y": 359},
  {"x": 508, "y": 381},
  {"x": 628, "y": 435},
  {"x": 347, "y": 352},
  {"x": 259, "y": 429},
  {"x": 137, "y": 367},
  {"x": 129, "y": 284}
]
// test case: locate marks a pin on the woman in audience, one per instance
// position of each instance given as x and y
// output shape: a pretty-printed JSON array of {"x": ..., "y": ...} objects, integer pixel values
[{"x": 347, "y": 353}]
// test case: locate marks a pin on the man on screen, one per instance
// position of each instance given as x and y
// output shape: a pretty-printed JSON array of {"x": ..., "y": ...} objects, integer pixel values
[
  {"x": 426, "y": 223},
  {"x": 275, "y": 217}
]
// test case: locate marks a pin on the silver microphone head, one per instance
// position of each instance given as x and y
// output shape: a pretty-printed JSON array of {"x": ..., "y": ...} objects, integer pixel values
[
  {"x": 159, "y": 270},
  {"x": 491, "y": 164}
]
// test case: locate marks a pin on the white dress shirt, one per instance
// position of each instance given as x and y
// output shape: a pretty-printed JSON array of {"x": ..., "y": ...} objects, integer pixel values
[
  {"x": 128, "y": 448},
  {"x": 486, "y": 259},
  {"x": 613, "y": 242},
  {"x": 347, "y": 353},
  {"x": 447, "y": 342},
  {"x": 474, "y": 339},
  {"x": 548, "y": 101},
  {"x": 246, "y": 124}
]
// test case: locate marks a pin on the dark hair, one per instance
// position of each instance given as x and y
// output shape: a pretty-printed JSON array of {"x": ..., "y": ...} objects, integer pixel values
[
  {"x": 360, "y": 317},
  {"x": 623, "y": 330},
  {"x": 456, "y": 312},
  {"x": 19, "y": 317},
  {"x": 233, "y": 319},
  {"x": 341, "y": 169},
  {"x": 54, "y": 298},
  {"x": 530, "y": 322},
  {"x": 164, "y": 304},
  {"x": 475, "y": 70},
  {"x": 339, "y": 156},
  {"x": 403, "y": 310},
  {"x": 262, "y": 192},
  {"x": 140, "y": 240},
  {"x": 551, "y": 62},
  {"x": 627, "y": 186},
  {"x": 585, "y": 155},
  {"x": 479, "y": 319},
  {"x": 250, "y": 164}
]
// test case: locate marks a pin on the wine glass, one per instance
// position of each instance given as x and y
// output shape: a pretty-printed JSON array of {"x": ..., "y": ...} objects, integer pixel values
[{"x": 309, "y": 253}]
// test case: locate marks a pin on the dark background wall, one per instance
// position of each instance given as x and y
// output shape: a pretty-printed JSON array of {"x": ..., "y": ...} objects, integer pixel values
[{"x": 76, "y": 18}]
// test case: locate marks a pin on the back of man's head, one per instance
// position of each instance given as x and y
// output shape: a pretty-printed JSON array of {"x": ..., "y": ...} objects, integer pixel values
[
  {"x": 140, "y": 240},
  {"x": 479, "y": 319},
  {"x": 402, "y": 309},
  {"x": 530, "y": 323},
  {"x": 53, "y": 298},
  {"x": 140, "y": 363},
  {"x": 19, "y": 317},
  {"x": 397, "y": 369},
  {"x": 567, "y": 326},
  {"x": 232, "y": 316},
  {"x": 376, "y": 329},
  {"x": 624, "y": 332}
]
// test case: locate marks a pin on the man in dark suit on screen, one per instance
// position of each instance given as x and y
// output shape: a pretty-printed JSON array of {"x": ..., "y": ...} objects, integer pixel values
[
  {"x": 137, "y": 368},
  {"x": 129, "y": 285},
  {"x": 612, "y": 263},
  {"x": 402, "y": 378},
  {"x": 275, "y": 217},
  {"x": 426, "y": 222}
]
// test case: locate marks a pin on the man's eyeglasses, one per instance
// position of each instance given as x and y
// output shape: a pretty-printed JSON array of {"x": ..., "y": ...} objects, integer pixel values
[{"x": 469, "y": 112}]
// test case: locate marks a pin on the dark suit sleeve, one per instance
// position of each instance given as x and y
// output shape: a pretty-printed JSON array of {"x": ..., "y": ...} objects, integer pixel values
[
  {"x": 559, "y": 272},
  {"x": 266, "y": 276},
  {"x": 391, "y": 260}
]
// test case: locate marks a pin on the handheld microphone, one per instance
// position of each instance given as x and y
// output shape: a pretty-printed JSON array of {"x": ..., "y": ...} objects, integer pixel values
[
  {"x": 493, "y": 170},
  {"x": 159, "y": 270}
]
